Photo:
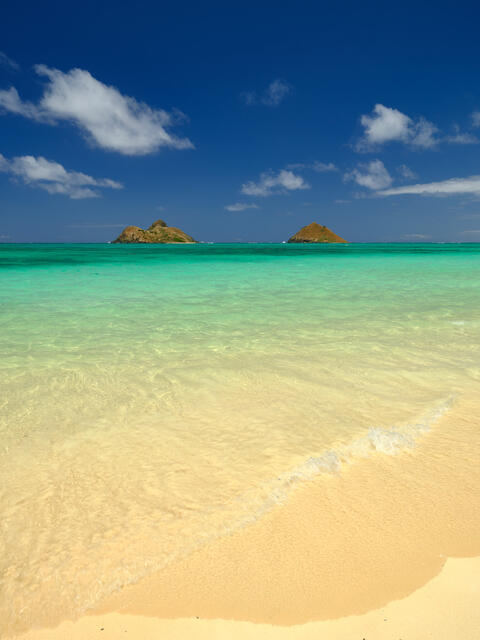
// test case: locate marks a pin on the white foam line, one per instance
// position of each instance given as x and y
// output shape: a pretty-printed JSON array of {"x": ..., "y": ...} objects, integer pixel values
[{"x": 390, "y": 441}]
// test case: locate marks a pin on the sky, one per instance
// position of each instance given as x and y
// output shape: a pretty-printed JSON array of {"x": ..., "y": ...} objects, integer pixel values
[{"x": 240, "y": 122}]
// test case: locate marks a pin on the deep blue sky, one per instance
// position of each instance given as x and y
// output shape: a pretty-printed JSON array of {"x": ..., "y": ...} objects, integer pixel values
[{"x": 265, "y": 88}]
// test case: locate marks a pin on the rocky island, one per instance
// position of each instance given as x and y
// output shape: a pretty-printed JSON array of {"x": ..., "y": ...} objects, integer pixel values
[
  {"x": 158, "y": 232},
  {"x": 315, "y": 232}
]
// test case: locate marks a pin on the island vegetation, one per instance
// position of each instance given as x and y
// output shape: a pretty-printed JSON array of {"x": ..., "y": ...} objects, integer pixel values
[
  {"x": 315, "y": 232},
  {"x": 158, "y": 232}
]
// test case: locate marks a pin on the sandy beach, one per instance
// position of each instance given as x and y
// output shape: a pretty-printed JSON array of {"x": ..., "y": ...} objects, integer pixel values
[
  {"x": 392, "y": 562},
  {"x": 444, "y": 609}
]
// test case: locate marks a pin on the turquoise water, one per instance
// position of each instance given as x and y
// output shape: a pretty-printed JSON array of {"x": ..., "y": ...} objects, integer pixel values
[{"x": 156, "y": 397}]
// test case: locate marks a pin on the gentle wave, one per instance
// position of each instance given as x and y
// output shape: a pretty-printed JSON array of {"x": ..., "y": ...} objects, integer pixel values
[
  {"x": 390, "y": 441},
  {"x": 383, "y": 440},
  {"x": 249, "y": 507}
]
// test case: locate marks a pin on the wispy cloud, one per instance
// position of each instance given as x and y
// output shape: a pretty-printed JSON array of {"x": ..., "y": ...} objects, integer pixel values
[
  {"x": 459, "y": 137},
  {"x": 10, "y": 102},
  {"x": 7, "y": 63},
  {"x": 475, "y": 119},
  {"x": 471, "y": 231},
  {"x": 453, "y": 186},
  {"x": 406, "y": 173},
  {"x": 462, "y": 138},
  {"x": 469, "y": 216},
  {"x": 273, "y": 95},
  {"x": 107, "y": 118},
  {"x": 319, "y": 167},
  {"x": 372, "y": 175},
  {"x": 415, "y": 236},
  {"x": 271, "y": 183},
  {"x": 240, "y": 206},
  {"x": 386, "y": 125},
  {"x": 54, "y": 178}
]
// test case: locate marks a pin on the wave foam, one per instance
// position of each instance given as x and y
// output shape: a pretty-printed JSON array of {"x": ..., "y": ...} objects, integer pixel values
[
  {"x": 251, "y": 506},
  {"x": 390, "y": 441}
]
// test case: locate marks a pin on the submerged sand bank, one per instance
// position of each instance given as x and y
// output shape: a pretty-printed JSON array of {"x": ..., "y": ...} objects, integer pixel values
[{"x": 367, "y": 546}]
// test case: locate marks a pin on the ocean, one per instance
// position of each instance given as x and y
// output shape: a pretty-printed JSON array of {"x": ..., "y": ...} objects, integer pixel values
[{"x": 157, "y": 397}]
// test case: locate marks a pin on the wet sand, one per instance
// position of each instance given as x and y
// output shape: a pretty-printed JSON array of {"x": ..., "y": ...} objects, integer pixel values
[
  {"x": 445, "y": 609},
  {"x": 362, "y": 554}
]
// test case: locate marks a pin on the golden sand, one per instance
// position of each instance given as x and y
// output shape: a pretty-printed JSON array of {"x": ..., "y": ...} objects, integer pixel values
[
  {"x": 445, "y": 609},
  {"x": 362, "y": 554}
]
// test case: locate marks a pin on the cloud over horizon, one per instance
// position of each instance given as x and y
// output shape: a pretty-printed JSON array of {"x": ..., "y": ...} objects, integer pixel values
[
  {"x": 451, "y": 186},
  {"x": 106, "y": 118},
  {"x": 271, "y": 184},
  {"x": 415, "y": 236},
  {"x": 54, "y": 178}
]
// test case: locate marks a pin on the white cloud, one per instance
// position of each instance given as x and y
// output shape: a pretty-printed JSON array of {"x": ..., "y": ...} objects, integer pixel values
[
  {"x": 8, "y": 63},
  {"x": 107, "y": 118},
  {"x": 406, "y": 173},
  {"x": 271, "y": 97},
  {"x": 415, "y": 236},
  {"x": 476, "y": 118},
  {"x": 372, "y": 175},
  {"x": 422, "y": 134},
  {"x": 273, "y": 184},
  {"x": 240, "y": 206},
  {"x": 389, "y": 125},
  {"x": 472, "y": 231},
  {"x": 452, "y": 186},
  {"x": 54, "y": 178},
  {"x": 386, "y": 125},
  {"x": 10, "y": 101}
]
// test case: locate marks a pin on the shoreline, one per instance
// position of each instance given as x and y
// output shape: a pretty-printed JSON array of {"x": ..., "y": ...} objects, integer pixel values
[
  {"x": 428, "y": 612},
  {"x": 339, "y": 553}
]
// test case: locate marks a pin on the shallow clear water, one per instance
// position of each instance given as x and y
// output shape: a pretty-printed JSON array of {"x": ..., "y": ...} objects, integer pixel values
[{"x": 157, "y": 396}]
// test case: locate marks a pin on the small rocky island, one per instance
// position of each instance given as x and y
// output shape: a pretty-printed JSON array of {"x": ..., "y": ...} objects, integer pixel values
[
  {"x": 158, "y": 232},
  {"x": 315, "y": 232}
]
